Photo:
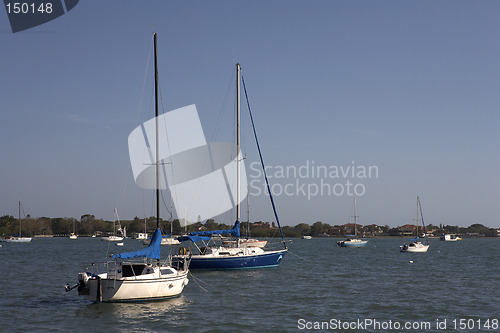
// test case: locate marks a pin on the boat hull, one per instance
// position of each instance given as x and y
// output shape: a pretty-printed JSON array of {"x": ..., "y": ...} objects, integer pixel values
[
  {"x": 352, "y": 244},
  {"x": 112, "y": 238},
  {"x": 262, "y": 260},
  {"x": 246, "y": 243},
  {"x": 419, "y": 248},
  {"x": 16, "y": 240},
  {"x": 144, "y": 289},
  {"x": 164, "y": 241},
  {"x": 450, "y": 238}
]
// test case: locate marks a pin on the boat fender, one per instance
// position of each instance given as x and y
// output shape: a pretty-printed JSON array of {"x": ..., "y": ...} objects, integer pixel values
[{"x": 182, "y": 250}]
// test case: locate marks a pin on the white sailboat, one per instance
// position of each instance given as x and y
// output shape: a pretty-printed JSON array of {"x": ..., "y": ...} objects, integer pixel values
[
  {"x": 148, "y": 279},
  {"x": 245, "y": 242},
  {"x": 73, "y": 235},
  {"x": 16, "y": 239},
  {"x": 353, "y": 241},
  {"x": 415, "y": 245},
  {"x": 114, "y": 237},
  {"x": 142, "y": 235},
  {"x": 165, "y": 240}
]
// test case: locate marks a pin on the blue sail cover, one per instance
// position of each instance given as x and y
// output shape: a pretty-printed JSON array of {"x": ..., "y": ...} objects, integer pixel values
[
  {"x": 234, "y": 231},
  {"x": 152, "y": 251},
  {"x": 193, "y": 239}
]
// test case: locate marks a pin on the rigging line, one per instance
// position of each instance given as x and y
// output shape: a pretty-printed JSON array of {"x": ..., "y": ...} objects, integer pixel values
[
  {"x": 173, "y": 193},
  {"x": 310, "y": 262},
  {"x": 262, "y": 162},
  {"x": 168, "y": 145},
  {"x": 139, "y": 107},
  {"x": 221, "y": 111},
  {"x": 24, "y": 218},
  {"x": 195, "y": 280},
  {"x": 141, "y": 98},
  {"x": 165, "y": 204},
  {"x": 301, "y": 258}
]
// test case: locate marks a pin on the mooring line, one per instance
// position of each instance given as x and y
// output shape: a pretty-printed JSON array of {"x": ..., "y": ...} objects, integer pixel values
[{"x": 195, "y": 278}]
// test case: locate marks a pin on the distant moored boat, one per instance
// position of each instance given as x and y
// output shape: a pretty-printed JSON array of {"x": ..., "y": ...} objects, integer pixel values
[{"x": 14, "y": 238}]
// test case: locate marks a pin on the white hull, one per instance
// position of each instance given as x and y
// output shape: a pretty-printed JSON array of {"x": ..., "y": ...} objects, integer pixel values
[
  {"x": 352, "y": 242},
  {"x": 112, "y": 287},
  {"x": 164, "y": 241},
  {"x": 16, "y": 239},
  {"x": 306, "y": 237},
  {"x": 414, "y": 247},
  {"x": 112, "y": 238},
  {"x": 245, "y": 243},
  {"x": 73, "y": 236},
  {"x": 141, "y": 235},
  {"x": 450, "y": 238}
]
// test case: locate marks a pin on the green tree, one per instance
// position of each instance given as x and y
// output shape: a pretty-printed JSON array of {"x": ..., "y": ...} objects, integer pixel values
[{"x": 303, "y": 229}]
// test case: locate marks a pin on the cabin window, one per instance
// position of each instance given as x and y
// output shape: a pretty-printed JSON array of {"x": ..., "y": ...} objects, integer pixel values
[{"x": 132, "y": 270}]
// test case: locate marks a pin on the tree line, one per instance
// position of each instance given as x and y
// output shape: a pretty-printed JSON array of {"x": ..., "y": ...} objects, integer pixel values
[{"x": 90, "y": 225}]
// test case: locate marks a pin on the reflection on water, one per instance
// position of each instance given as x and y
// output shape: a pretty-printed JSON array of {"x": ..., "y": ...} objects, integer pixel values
[
  {"x": 131, "y": 316},
  {"x": 148, "y": 310}
]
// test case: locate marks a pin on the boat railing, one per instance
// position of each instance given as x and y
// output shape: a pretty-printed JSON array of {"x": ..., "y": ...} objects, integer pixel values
[
  {"x": 278, "y": 245},
  {"x": 180, "y": 264}
]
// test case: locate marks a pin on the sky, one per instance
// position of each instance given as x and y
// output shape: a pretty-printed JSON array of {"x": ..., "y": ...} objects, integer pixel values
[{"x": 406, "y": 89}]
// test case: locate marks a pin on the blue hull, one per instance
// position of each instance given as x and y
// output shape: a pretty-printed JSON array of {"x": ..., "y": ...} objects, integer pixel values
[{"x": 264, "y": 260}]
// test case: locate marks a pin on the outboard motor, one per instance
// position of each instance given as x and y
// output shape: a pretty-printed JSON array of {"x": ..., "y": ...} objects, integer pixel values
[{"x": 83, "y": 285}]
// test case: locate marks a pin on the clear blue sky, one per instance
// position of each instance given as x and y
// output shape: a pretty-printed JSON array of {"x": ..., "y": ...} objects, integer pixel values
[{"x": 411, "y": 87}]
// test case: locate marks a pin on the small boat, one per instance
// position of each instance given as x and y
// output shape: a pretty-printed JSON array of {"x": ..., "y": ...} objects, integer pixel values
[
  {"x": 119, "y": 244},
  {"x": 73, "y": 234},
  {"x": 165, "y": 240},
  {"x": 415, "y": 245},
  {"x": 306, "y": 237},
  {"x": 114, "y": 237},
  {"x": 141, "y": 235},
  {"x": 450, "y": 238},
  {"x": 148, "y": 279},
  {"x": 169, "y": 241},
  {"x": 353, "y": 241},
  {"x": 16, "y": 238}
]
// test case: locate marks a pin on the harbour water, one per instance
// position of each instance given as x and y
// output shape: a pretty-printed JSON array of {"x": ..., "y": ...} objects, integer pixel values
[{"x": 318, "y": 286}]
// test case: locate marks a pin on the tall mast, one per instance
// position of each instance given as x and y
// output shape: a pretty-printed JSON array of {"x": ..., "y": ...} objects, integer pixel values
[
  {"x": 19, "y": 218},
  {"x": 238, "y": 142},
  {"x": 157, "y": 141},
  {"x": 417, "y": 215},
  {"x": 355, "y": 229}
]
